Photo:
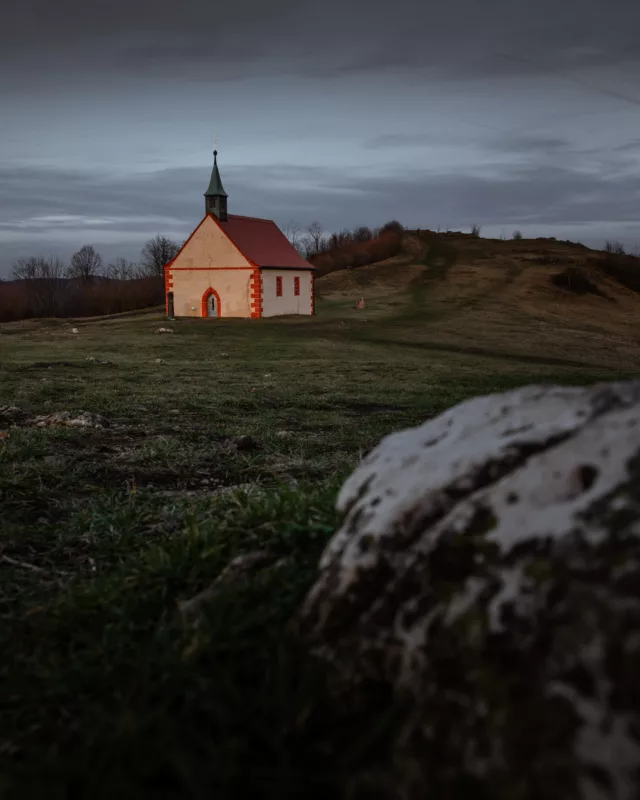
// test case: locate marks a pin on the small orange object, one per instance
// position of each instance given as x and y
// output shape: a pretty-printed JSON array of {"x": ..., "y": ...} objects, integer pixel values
[{"x": 4, "y": 434}]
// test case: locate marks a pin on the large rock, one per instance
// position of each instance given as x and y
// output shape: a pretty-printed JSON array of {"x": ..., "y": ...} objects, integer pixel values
[{"x": 486, "y": 576}]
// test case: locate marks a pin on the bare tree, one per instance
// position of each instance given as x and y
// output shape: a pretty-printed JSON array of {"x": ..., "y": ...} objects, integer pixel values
[
  {"x": 341, "y": 239},
  {"x": 85, "y": 263},
  {"x": 122, "y": 270},
  {"x": 45, "y": 284},
  {"x": 28, "y": 269},
  {"x": 616, "y": 248},
  {"x": 156, "y": 253},
  {"x": 38, "y": 268},
  {"x": 362, "y": 234},
  {"x": 314, "y": 230},
  {"x": 306, "y": 246},
  {"x": 293, "y": 232}
]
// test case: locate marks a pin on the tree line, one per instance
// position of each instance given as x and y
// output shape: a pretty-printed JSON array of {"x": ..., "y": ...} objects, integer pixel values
[
  {"x": 347, "y": 248},
  {"x": 86, "y": 264},
  {"x": 85, "y": 286}
]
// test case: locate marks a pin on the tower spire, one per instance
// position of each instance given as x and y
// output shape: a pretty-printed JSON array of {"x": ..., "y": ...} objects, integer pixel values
[{"x": 215, "y": 198}]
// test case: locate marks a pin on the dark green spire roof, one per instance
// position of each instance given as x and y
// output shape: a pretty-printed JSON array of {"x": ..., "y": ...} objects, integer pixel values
[{"x": 215, "y": 184}]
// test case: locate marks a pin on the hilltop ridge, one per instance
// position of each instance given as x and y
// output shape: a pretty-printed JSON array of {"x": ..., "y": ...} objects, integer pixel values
[{"x": 458, "y": 288}]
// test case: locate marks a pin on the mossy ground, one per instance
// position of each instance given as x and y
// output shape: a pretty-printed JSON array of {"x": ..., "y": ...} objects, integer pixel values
[{"x": 104, "y": 691}]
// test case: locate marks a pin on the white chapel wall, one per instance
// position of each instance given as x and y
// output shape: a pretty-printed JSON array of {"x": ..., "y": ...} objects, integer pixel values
[{"x": 272, "y": 305}]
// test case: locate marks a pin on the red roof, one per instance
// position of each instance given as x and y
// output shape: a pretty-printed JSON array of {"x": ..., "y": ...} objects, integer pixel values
[{"x": 262, "y": 242}]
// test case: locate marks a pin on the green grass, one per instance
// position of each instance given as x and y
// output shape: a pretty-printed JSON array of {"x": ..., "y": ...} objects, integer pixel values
[{"x": 105, "y": 691}]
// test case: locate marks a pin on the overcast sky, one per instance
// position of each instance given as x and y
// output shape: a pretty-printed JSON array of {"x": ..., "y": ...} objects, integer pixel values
[{"x": 506, "y": 113}]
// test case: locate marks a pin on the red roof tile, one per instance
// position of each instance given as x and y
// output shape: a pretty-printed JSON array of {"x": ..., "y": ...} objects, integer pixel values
[{"x": 262, "y": 242}]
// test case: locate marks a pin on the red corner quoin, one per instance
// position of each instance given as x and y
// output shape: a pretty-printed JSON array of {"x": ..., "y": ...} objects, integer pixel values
[
  {"x": 168, "y": 287},
  {"x": 255, "y": 286}
]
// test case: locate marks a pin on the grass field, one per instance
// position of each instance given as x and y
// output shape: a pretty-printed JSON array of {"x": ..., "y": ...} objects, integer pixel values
[{"x": 106, "y": 691}]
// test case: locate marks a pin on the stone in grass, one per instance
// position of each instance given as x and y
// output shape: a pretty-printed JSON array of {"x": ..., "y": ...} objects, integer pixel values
[
  {"x": 486, "y": 577},
  {"x": 244, "y": 443},
  {"x": 94, "y": 360},
  {"x": 82, "y": 419},
  {"x": 13, "y": 415}
]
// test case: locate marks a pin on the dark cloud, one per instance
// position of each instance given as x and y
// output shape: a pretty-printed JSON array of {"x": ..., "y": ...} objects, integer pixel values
[{"x": 460, "y": 38}]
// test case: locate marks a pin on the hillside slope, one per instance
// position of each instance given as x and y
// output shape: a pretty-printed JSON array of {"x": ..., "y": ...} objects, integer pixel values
[{"x": 467, "y": 291}]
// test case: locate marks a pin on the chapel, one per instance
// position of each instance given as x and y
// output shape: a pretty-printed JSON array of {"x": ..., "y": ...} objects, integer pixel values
[{"x": 236, "y": 266}]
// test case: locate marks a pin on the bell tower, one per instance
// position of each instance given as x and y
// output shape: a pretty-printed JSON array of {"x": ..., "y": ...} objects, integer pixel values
[{"x": 215, "y": 198}]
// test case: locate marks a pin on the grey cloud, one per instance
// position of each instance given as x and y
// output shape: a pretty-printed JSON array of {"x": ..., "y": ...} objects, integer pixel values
[
  {"x": 507, "y": 142},
  {"x": 522, "y": 195},
  {"x": 397, "y": 140},
  {"x": 526, "y": 144},
  {"x": 628, "y": 147}
]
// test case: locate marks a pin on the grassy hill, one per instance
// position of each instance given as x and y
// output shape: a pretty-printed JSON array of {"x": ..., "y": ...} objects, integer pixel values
[
  {"x": 541, "y": 297},
  {"x": 106, "y": 691}
]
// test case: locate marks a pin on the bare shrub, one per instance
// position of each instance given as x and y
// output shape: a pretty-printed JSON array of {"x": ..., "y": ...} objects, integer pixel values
[
  {"x": 362, "y": 234},
  {"x": 625, "y": 269},
  {"x": 392, "y": 227},
  {"x": 575, "y": 280},
  {"x": 615, "y": 248},
  {"x": 123, "y": 270},
  {"x": 324, "y": 263}
]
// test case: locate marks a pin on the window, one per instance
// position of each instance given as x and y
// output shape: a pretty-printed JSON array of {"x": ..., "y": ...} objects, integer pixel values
[
  {"x": 278, "y": 286},
  {"x": 296, "y": 286}
]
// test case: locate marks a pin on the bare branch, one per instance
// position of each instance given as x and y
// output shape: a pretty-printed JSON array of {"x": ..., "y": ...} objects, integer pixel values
[
  {"x": 85, "y": 263},
  {"x": 156, "y": 253}
]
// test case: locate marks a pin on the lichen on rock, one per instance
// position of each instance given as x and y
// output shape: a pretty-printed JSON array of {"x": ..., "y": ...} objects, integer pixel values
[{"x": 487, "y": 574}]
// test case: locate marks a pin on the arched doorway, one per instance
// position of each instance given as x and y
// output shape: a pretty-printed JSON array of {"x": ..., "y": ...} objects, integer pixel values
[{"x": 211, "y": 306}]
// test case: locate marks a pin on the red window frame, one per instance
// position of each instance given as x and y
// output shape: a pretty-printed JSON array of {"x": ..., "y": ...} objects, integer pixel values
[
  {"x": 279, "y": 286},
  {"x": 296, "y": 286}
]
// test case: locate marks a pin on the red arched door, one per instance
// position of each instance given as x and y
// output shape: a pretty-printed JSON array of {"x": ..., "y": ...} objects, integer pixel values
[{"x": 211, "y": 304}]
